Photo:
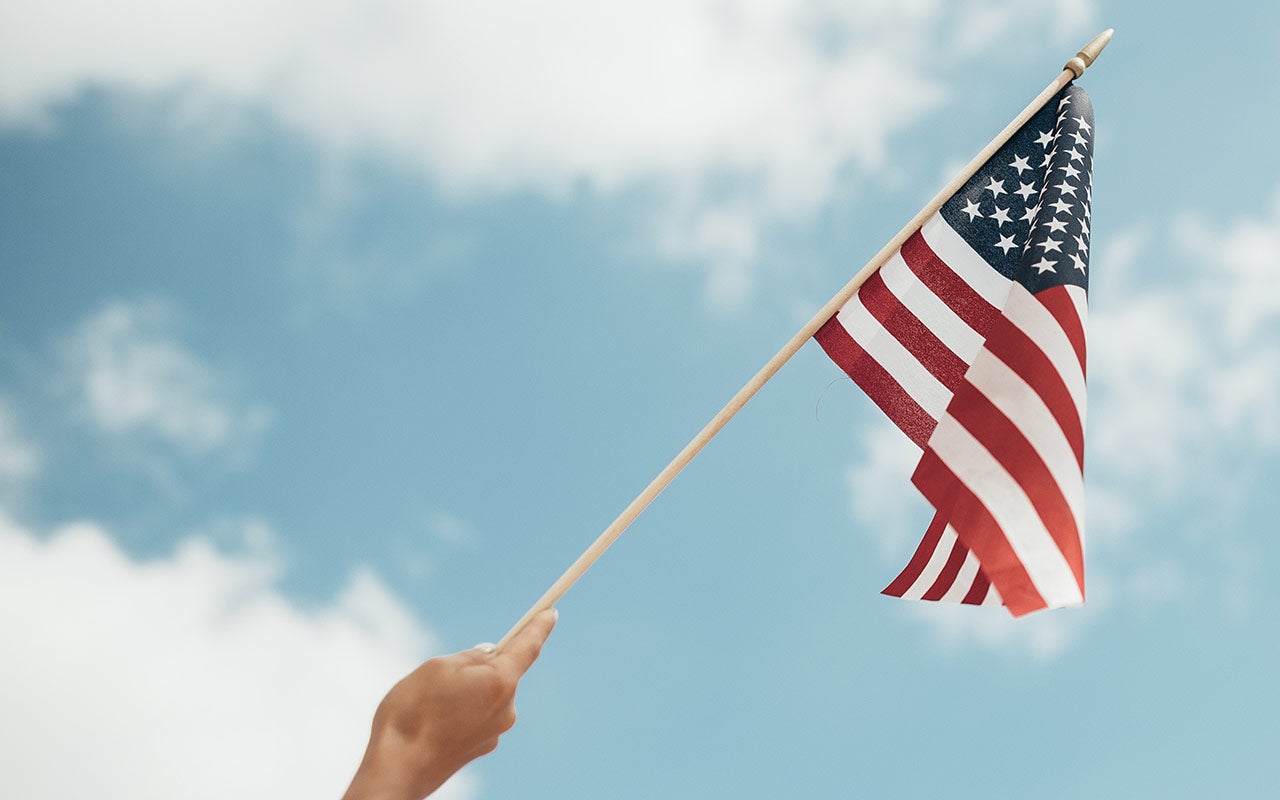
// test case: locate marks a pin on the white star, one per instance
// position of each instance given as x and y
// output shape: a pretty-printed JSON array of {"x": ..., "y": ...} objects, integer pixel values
[
  {"x": 1084, "y": 223},
  {"x": 1064, "y": 102},
  {"x": 1020, "y": 164},
  {"x": 1045, "y": 265},
  {"x": 1084, "y": 124},
  {"x": 1071, "y": 171},
  {"x": 1056, "y": 225},
  {"x": 1061, "y": 207},
  {"x": 1081, "y": 245},
  {"x": 1076, "y": 155},
  {"x": 1001, "y": 216},
  {"x": 1052, "y": 244},
  {"x": 1044, "y": 138},
  {"x": 1066, "y": 188},
  {"x": 1080, "y": 138},
  {"x": 1030, "y": 214},
  {"x": 1077, "y": 261},
  {"x": 995, "y": 187},
  {"x": 1026, "y": 190},
  {"x": 1048, "y": 157},
  {"x": 1006, "y": 244},
  {"x": 971, "y": 208}
]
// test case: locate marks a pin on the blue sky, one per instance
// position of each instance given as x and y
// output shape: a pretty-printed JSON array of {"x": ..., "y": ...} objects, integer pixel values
[{"x": 329, "y": 336}]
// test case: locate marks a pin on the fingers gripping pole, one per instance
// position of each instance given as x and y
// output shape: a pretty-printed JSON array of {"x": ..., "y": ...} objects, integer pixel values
[{"x": 1073, "y": 69}]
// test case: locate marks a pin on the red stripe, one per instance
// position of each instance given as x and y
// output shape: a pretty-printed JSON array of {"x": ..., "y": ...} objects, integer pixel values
[
  {"x": 977, "y": 592},
  {"x": 1015, "y": 453},
  {"x": 979, "y": 531},
  {"x": 1063, "y": 309},
  {"x": 949, "y": 572},
  {"x": 914, "y": 335},
  {"x": 876, "y": 381},
  {"x": 911, "y": 573},
  {"x": 1017, "y": 350},
  {"x": 970, "y": 306}
]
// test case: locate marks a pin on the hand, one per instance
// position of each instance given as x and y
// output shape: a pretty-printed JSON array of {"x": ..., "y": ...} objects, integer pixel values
[{"x": 444, "y": 714}]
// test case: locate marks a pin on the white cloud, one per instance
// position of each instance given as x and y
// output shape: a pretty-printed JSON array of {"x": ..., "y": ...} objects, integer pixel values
[
  {"x": 1158, "y": 581},
  {"x": 739, "y": 113},
  {"x": 448, "y": 527},
  {"x": 132, "y": 378},
  {"x": 350, "y": 255},
  {"x": 189, "y": 675},
  {"x": 20, "y": 459},
  {"x": 1185, "y": 367},
  {"x": 1041, "y": 636},
  {"x": 882, "y": 499},
  {"x": 1146, "y": 385},
  {"x": 1245, "y": 258}
]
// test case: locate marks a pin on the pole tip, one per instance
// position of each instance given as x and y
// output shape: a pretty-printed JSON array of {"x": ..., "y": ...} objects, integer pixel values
[{"x": 1089, "y": 53}]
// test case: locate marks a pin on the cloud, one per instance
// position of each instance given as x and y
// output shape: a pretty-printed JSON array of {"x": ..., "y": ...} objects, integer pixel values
[
  {"x": 131, "y": 379},
  {"x": 447, "y": 527},
  {"x": 20, "y": 459},
  {"x": 1041, "y": 637},
  {"x": 1184, "y": 372},
  {"x": 190, "y": 675},
  {"x": 881, "y": 498},
  {"x": 355, "y": 249},
  {"x": 1244, "y": 258},
  {"x": 1186, "y": 365},
  {"x": 737, "y": 114}
]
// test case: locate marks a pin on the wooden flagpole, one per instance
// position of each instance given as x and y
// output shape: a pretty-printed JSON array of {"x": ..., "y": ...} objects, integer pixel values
[{"x": 1073, "y": 69}]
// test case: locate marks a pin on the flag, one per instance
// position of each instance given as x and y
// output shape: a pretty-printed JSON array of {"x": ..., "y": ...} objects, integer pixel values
[{"x": 971, "y": 338}]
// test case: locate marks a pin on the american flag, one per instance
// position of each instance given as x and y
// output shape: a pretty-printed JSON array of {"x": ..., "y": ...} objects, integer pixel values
[{"x": 971, "y": 339}]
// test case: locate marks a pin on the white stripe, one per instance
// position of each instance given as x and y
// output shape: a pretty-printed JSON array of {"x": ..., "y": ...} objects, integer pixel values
[
  {"x": 1031, "y": 317},
  {"x": 937, "y": 560},
  {"x": 1029, "y": 414},
  {"x": 889, "y": 353},
  {"x": 1081, "y": 300},
  {"x": 993, "y": 597},
  {"x": 971, "y": 267},
  {"x": 930, "y": 309},
  {"x": 1012, "y": 510},
  {"x": 964, "y": 580}
]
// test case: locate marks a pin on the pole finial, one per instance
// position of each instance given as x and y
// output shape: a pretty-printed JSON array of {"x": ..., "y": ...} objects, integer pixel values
[{"x": 1089, "y": 52}]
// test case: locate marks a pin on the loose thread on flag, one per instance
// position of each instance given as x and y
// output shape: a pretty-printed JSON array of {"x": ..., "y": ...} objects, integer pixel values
[
  {"x": 817, "y": 404},
  {"x": 1074, "y": 68}
]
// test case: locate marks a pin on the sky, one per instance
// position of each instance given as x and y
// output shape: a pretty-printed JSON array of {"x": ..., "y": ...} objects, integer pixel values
[{"x": 330, "y": 334}]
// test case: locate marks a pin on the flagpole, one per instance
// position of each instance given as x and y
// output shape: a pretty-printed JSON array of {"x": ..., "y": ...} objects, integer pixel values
[{"x": 1073, "y": 69}]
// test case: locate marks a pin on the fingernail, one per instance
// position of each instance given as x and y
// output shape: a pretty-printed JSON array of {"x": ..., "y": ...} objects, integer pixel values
[
  {"x": 486, "y": 647},
  {"x": 555, "y": 614}
]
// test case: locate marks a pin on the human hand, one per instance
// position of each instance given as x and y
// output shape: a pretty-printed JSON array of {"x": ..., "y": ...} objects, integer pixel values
[{"x": 444, "y": 714}]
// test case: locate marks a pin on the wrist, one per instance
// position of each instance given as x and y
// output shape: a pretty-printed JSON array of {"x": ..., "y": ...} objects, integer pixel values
[{"x": 384, "y": 774}]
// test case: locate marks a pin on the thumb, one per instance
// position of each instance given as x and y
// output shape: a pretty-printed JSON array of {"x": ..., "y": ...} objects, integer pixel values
[{"x": 523, "y": 649}]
